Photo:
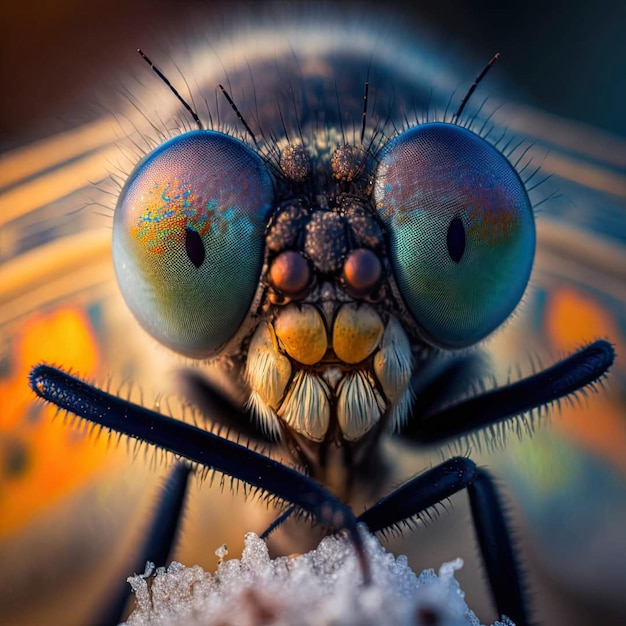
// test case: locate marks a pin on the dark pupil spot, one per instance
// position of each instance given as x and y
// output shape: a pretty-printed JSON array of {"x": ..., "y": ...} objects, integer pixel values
[
  {"x": 456, "y": 239},
  {"x": 194, "y": 247}
]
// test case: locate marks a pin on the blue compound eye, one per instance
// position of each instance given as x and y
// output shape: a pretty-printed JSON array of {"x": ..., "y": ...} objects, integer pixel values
[
  {"x": 188, "y": 236},
  {"x": 461, "y": 230}
]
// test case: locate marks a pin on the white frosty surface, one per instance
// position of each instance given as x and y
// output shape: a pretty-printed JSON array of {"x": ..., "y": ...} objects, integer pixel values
[{"x": 320, "y": 588}]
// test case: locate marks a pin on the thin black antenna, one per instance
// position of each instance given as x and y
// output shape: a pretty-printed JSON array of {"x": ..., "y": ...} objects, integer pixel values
[
  {"x": 162, "y": 76},
  {"x": 471, "y": 90},
  {"x": 239, "y": 115},
  {"x": 343, "y": 134},
  {"x": 366, "y": 91}
]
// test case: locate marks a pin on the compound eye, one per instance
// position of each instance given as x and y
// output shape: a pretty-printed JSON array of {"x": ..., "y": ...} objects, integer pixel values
[
  {"x": 461, "y": 230},
  {"x": 188, "y": 237}
]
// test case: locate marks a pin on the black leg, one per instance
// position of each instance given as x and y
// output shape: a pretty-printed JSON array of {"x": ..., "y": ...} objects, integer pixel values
[
  {"x": 439, "y": 483},
  {"x": 283, "y": 517},
  {"x": 160, "y": 540},
  {"x": 209, "y": 451},
  {"x": 496, "y": 547},
  {"x": 581, "y": 369}
]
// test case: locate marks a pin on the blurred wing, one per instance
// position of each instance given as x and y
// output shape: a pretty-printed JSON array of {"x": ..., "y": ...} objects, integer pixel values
[{"x": 571, "y": 477}]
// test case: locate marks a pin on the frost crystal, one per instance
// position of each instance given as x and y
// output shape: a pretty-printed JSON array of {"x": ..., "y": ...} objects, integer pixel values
[{"x": 320, "y": 588}]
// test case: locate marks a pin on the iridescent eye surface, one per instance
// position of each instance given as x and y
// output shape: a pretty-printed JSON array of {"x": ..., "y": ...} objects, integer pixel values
[
  {"x": 188, "y": 236},
  {"x": 461, "y": 230}
]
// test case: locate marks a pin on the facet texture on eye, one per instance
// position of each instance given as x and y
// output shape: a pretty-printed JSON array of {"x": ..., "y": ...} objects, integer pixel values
[
  {"x": 188, "y": 238},
  {"x": 461, "y": 230}
]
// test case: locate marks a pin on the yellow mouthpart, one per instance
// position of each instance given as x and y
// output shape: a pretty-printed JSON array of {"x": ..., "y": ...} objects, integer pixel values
[
  {"x": 357, "y": 332},
  {"x": 301, "y": 333}
]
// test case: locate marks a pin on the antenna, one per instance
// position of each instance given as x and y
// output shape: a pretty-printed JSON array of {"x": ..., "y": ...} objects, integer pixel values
[
  {"x": 471, "y": 90},
  {"x": 239, "y": 115},
  {"x": 162, "y": 76},
  {"x": 366, "y": 90}
]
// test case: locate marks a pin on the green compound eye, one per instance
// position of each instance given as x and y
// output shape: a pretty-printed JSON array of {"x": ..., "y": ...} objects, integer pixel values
[
  {"x": 188, "y": 237},
  {"x": 461, "y": 230}
]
